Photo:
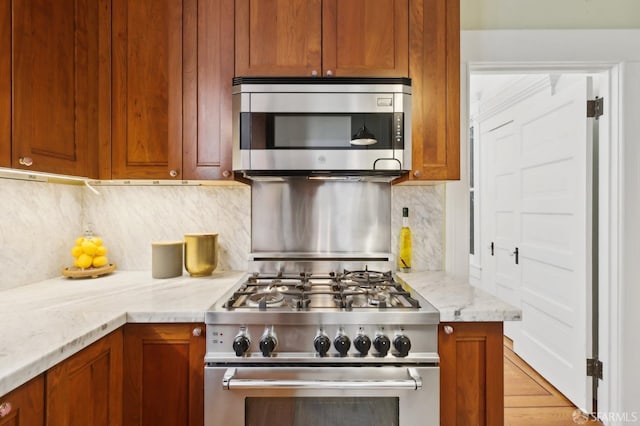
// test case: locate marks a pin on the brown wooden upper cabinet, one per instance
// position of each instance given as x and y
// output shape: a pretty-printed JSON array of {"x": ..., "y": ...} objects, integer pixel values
[
  {"x": 434, "y": 68},
  {"x": 5, "y": 83},
  {"x": 381, "y": 38},
  {"x": 49, "y": 65},
  {"x": 322, "y": 38},
  {"x": 172, "y": 65}
]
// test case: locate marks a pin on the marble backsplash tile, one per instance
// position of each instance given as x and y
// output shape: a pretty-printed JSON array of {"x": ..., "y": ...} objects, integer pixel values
[
  {"x": 130, "y": 218},
  {"x": 40, "y": 221},
  {"x": 426, "y": 220}
]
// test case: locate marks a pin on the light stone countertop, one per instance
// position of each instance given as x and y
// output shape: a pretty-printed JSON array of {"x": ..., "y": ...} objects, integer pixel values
[
  {"x": 46, "y": 322},
  {"x": 457, "y": 300}
]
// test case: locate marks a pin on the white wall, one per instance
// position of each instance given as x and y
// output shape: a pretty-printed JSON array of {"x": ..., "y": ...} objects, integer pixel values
[
  {"x": 546, "y": 14},
  {"x": 618, "y": 50}
]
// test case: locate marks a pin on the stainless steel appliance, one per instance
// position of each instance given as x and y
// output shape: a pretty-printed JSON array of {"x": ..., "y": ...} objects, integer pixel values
[
  {"x": 321, "y": 126},
  {"x": 341, "y": 348},
  {"x": 321, "y": 332}
]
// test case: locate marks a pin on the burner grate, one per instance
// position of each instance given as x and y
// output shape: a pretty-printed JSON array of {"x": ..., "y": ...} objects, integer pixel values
[{"x": 347, "y": 291}]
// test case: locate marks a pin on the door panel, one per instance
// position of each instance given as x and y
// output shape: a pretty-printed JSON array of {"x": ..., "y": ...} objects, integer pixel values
[
  {"x": 538, "y": 181},
  {"x": 281, "y": 38},
  {"x": 208, "y": 71},
  {"x": 5, "y": 83},
  {"x": 147, "y": 88},
  {"x": 503, "y": 153},
  {"x": 365, "y": 38},
  {"x": 556, "y": 238},
  {"x": 55, "y": 85}
]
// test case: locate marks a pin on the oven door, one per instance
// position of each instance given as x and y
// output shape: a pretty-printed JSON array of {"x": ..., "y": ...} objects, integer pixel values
[{"x": 326, "y": 395}]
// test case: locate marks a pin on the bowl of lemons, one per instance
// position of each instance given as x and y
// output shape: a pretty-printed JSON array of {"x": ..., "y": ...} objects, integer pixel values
[{"x": 89, "y": 258}]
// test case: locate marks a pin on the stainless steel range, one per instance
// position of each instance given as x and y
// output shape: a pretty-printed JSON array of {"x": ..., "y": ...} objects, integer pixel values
[
  {"x": 321, "y": 332},
  {"x": 341, "y": 348}
]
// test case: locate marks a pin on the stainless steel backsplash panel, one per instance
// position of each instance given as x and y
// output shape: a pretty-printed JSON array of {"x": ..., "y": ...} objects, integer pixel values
[{"x": 320, "y": 217}]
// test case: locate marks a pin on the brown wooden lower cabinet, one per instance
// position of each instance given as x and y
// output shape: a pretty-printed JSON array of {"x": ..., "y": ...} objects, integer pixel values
[
  {"x": 471, "y": 373},
  {"x": 86, "y": 388},
  {"x": 164, "y": 374},
  {"x": 24, "y": 405}
]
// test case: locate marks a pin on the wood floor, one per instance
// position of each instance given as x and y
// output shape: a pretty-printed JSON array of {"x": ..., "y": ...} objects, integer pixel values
[{"x": 531, "y": 400}]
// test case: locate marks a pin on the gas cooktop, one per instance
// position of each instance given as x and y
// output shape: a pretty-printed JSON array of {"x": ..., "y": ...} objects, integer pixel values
[
  {"x": 347, "y": 290},
  {"x": 361, "y": 295}
]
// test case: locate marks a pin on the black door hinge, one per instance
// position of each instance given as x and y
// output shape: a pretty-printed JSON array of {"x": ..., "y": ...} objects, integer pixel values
[
  {"x": 595, "y": 108},
  {"x": 492, "y": 247},
  {"x": 594, "y": 368}
]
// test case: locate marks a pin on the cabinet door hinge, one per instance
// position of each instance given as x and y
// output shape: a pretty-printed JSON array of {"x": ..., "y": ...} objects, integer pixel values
[
  {"x": 594, "y": 368},
  {"x": 595, "y": 108}
]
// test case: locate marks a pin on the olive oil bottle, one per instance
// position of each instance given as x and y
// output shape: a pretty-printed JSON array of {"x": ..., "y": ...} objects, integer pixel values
[{"x": 404, "y": 252}]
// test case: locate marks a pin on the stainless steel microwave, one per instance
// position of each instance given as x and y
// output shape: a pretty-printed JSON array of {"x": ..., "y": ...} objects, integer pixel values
[{"x": 315, "y": 126}]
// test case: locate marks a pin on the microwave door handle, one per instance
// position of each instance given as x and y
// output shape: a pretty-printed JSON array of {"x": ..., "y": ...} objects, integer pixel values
[{"x": 229, "y": 382}]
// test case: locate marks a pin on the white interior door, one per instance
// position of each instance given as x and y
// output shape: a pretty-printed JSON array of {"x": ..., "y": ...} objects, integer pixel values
[
  {"x": 539, "y": 201},
  {"x": 555, "y": 238}
]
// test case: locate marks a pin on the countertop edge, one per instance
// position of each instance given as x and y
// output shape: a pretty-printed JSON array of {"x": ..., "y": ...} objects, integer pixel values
[{"x": 47, "y": 360}]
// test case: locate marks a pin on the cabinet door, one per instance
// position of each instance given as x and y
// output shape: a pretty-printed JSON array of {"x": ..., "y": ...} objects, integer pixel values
[
  {"x": 54, "y": 64},
  {"x": 208, "y": 72},
  {"x": 25, "y": 405},
  {"x": 147, "y": 89},
  {"x": 434, "y": 68},
  {"x": 5, "y": 83},
  {"x": 164, "y": 374},
  {"x": 365, "y": 38},
  {"x": 471, "y": 373},
  {"x": 86, "y": 388},
  {"x": 278, "y": 37}
]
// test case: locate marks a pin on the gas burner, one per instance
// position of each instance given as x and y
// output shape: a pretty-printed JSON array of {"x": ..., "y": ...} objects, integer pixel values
[
  {"x": 300, "y": 302},
  {"x": 378, "y": 298},
  {"x": 367, "y": 277},
  {"x": 266, "y": 299}
]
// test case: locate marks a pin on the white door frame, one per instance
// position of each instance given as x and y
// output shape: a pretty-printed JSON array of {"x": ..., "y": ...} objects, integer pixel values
[{"x": 603, "y": 51}]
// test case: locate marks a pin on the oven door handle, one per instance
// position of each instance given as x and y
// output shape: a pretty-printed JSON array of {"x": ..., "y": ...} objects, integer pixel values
[{"x": 229, "y": 382}]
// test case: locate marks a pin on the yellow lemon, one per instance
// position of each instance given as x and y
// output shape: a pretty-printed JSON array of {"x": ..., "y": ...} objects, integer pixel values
[
  {"x": 79, "y": 241},
  {"x": 84, "y": 261},
  {"x": 89, "y": 248},
  {"x": 75, "y": 263},
  {"x": 101, "y": 251},
  {"x": 99, "y": 261},
  {"x": 97, "y": 241},
  {"x": 76, "y": 251}
]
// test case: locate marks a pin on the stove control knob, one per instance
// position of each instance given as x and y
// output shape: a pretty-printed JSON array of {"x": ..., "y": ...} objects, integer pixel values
[
  {"x": 241, "y": 344},
  {"x": 342, "y": 344},
  {"x": 322, "y": 344},
  {"x": 381, "y": 343},
  {"x": 268, "y": 343},
  {"x": 402, "y": 344},
  {"x": 362, "y": 344}
]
